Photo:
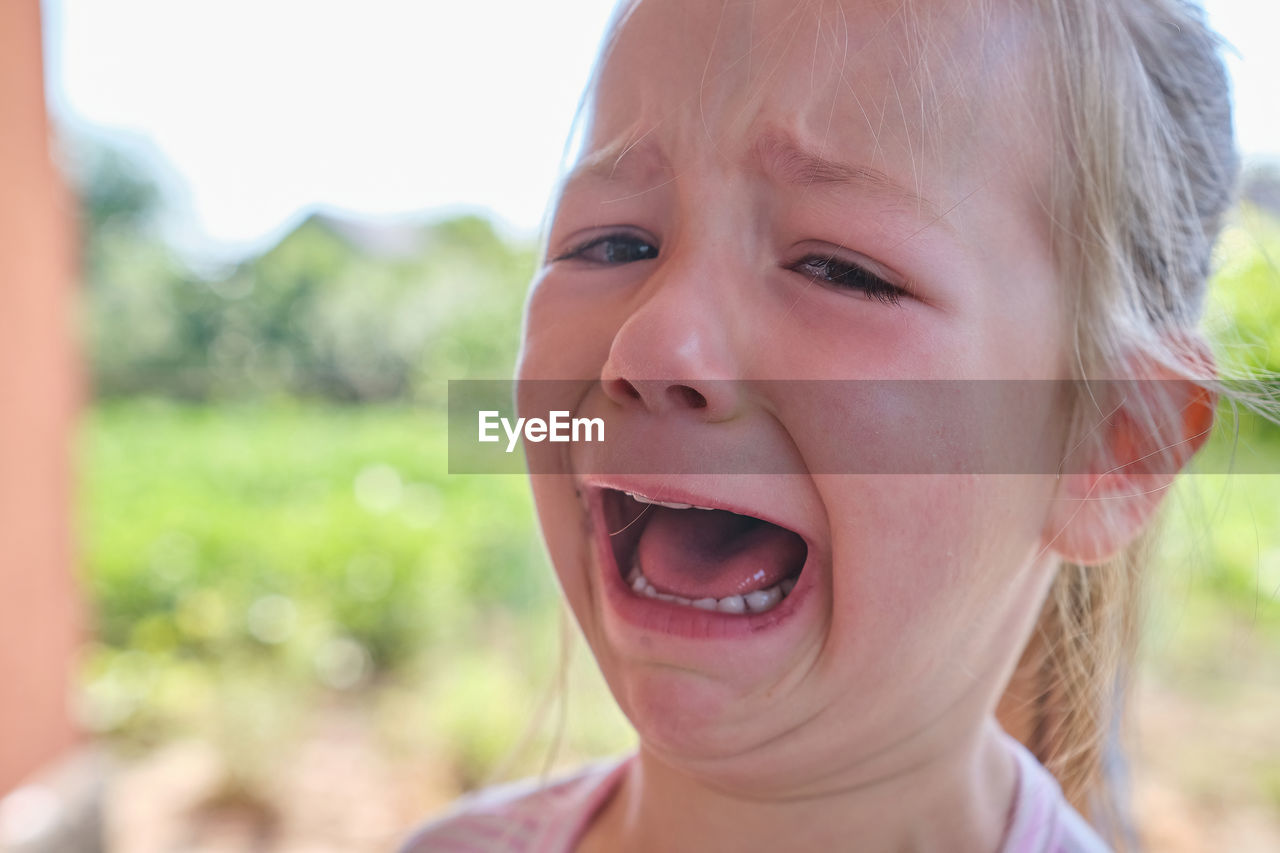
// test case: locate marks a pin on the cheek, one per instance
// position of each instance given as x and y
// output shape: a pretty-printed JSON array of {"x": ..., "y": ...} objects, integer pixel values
[
  {"x": 927, "y": 569},
  {"x": 568, "y": 543},
  {"x": 567, "y": 332},
  {"x": 550, "y": 352}
]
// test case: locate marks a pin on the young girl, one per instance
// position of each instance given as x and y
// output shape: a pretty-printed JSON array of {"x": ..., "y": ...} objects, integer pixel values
[{"x": 807, "y": 607}]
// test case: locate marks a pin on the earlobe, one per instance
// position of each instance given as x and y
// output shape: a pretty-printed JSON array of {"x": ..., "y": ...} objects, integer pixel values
[{"x": 1150, "y": 430}]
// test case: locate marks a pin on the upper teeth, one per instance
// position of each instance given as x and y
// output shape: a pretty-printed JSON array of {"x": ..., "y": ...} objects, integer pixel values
[{"x": 668, "y": 504}]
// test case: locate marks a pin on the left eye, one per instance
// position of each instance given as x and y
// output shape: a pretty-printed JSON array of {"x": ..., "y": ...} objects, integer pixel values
[
  {"x": 613, "y": 249},
  {"x": 848, "y": 276}
]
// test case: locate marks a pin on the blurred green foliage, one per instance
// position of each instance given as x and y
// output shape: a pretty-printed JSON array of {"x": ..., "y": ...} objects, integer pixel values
[
  {"x": 344, "y": 508},
  {"x": 1243, "y": 308},
  {"x": 339, "y": 309}
]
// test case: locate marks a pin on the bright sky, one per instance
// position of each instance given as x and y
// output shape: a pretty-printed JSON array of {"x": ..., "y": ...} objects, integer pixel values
[{"x": 254, "y": 110}]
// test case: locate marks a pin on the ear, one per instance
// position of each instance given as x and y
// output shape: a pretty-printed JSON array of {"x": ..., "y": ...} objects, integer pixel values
[{"x": 1142, "y": 432}]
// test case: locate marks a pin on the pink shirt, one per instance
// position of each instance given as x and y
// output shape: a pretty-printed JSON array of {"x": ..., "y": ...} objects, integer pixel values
[{"x": 528, "y": 817}]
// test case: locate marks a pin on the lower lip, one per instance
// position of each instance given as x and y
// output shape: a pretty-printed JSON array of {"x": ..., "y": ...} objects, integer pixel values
[{"x": 664, "y": 617}]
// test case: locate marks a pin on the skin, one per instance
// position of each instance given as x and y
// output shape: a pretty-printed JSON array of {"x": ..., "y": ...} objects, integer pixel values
[{"x": 867, "y": 714}]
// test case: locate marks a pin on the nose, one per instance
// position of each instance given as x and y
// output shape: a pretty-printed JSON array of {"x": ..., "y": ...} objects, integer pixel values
[{"x": 676, "y": 352}]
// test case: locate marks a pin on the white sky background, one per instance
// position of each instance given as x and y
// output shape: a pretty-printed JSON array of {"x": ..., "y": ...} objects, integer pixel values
[{"x": 252, "y": 111}]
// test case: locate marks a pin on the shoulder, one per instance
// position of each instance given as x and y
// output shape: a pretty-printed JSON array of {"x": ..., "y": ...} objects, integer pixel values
[
  {"x": 1042, "y": 821},
  {"x": 532, "y": 815}
]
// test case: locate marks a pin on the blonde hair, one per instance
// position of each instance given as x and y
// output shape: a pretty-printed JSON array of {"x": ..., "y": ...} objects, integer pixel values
[{"x": 1145, "y": 168}]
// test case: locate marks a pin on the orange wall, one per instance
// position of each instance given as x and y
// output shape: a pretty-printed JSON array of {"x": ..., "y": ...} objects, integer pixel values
[{"x": 38, "y": 393}]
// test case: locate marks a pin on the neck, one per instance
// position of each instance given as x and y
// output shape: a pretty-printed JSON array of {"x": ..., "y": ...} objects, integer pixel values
[{"x": 958, "y": 799}]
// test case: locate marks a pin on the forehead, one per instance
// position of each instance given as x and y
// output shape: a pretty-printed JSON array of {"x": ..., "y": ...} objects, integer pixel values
[{"x": 927, "y": 92}]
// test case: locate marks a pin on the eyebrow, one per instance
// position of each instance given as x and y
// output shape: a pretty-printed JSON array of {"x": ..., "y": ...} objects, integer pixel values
[
  {"x": 784, "y": 161},
  {"x": 775, "y": 153},
  {"x": 625, "y": 160}
]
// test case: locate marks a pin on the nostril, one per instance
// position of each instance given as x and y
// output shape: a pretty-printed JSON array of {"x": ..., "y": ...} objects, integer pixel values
[
  {"x": 656, "y": 395},
  {"x": 626, "y": 389},
  {"x": 686, "y": 397}
]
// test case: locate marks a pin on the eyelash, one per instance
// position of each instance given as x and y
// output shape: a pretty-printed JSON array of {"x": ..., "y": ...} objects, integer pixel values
[
  {"x": 847, "y": 276},
  {"x": 606, "y": 240}
]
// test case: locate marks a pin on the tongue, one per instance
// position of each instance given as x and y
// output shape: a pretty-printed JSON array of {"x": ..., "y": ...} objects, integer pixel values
[{"x": 700, "y": 553}]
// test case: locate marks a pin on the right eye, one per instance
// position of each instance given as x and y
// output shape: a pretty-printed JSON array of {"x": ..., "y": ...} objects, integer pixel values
[{"x": 612, "y": 249}]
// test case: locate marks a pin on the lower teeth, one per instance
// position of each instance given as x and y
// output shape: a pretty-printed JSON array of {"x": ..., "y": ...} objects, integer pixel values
[{"x": 757, "y": 601}]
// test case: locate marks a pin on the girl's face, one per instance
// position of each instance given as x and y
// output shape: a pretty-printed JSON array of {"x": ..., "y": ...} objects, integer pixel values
[{"x": 773, "y": 191}]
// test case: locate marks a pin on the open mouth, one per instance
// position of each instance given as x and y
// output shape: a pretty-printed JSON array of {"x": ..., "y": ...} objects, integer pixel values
[{"x": 701, "y": 557}]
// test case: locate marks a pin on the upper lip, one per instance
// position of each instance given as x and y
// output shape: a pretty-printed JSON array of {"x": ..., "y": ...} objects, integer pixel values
[{"x": 712, "y": 495}]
